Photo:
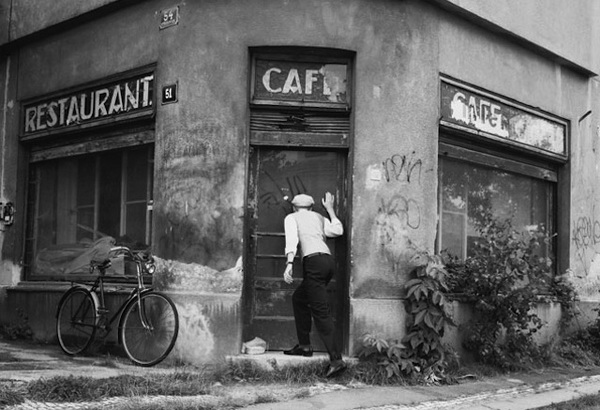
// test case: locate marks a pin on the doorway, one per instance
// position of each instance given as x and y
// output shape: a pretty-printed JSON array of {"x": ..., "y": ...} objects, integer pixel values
[{"x": 276, "y": 175}]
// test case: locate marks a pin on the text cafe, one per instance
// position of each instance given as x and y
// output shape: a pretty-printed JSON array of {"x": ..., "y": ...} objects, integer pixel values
[{"x": 304, "y": 82}]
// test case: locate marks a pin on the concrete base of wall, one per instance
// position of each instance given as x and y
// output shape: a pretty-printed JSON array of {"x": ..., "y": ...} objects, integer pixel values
[
  {"x": 385, "y": 318},
  {"x": 209, "y": 324}
]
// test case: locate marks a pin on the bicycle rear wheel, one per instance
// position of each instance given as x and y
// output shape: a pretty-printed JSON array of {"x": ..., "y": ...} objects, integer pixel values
[
  {"x": 76, "y": 320},
  {"x": 149, "y": 328}
]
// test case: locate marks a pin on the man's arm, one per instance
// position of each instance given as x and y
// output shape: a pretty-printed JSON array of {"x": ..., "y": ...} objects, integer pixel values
[
  {"x": 291, "y": 246},
  {"x": 332, "y": 227}
]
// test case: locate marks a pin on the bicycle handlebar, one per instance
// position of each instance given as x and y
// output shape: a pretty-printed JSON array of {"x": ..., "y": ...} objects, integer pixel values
[
  {"x": 144, "y": 260},
  {"x": 127, "y": 250}
]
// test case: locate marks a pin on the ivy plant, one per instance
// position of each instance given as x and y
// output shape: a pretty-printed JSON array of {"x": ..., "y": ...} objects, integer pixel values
[
  {"x": 421, "y": 352},
  {"x": 428, "y": 316}
]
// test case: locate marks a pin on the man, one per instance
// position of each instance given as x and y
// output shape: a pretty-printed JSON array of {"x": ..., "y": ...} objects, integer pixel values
[{"x": 310, "y": 229}]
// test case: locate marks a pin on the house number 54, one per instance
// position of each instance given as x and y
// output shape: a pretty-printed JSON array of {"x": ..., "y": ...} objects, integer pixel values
[{"x": 169, "y": 17}]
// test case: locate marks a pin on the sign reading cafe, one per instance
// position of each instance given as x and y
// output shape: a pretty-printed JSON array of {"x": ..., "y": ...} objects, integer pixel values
[
  {"x": 118, "y": 99},
  {"x": 491, "y": 116},
  {"x": 300, "y": 82}
]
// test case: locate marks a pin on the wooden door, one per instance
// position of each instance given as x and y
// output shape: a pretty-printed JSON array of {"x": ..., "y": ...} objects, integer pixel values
[{"x": 276, "y": 176}]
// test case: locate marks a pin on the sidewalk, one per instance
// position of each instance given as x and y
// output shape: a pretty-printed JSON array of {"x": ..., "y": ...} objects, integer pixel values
[{"x": 21, "y": 361}]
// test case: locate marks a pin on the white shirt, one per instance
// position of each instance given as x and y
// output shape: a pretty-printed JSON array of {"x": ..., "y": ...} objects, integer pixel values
[{"x": 309, "y": 229}]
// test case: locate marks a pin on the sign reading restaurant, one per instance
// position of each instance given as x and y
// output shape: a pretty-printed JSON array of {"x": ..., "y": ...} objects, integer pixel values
[
  {"x": 490, "y": 116},
  {"x": 116, "y": 100}
]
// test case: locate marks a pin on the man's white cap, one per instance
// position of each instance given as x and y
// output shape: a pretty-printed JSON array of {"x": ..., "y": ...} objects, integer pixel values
[{"x": 303, "y": 201}]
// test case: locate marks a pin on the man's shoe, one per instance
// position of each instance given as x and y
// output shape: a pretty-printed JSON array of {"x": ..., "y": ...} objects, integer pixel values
[
  {"x": 299, "y": 351},
  {"x": 336, "y": 367}
]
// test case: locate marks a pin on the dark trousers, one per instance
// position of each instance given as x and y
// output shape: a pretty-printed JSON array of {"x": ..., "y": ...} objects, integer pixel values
[{"x": 310, "y": 302}]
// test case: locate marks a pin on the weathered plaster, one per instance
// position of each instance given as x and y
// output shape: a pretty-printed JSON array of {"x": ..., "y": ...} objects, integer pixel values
[
  {"x": 383, "y": 318},
  {"x": 395, "y": 174},
  {"x": 194, "y": 226},
  {"x": 196, "y": 341},
  {"x": 178, "y": 276},
  {"x": 584, "y": 266},
  {"x": 10, "y": 272}
]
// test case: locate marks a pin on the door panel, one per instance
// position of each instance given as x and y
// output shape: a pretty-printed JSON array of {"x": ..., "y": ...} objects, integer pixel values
[{"x": 276, "y": 176}]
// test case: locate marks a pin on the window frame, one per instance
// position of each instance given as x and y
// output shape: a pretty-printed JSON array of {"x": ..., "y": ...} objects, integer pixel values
[
  {"x": 470, "y": 149},
  {"x": 33, "y": 193}
]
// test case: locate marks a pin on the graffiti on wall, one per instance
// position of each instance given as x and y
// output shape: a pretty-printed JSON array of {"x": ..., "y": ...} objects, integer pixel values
[
  {"x": 403, "y": 168},
  {"x": 586, "y": 241},
  {"x": 406, "y": 210},
  {"x": 586, "y": 233},
  {"x": 399, "y": 213}
]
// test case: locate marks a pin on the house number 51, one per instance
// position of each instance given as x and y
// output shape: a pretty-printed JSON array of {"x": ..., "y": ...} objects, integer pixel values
[{"x": 169, "y": 93}]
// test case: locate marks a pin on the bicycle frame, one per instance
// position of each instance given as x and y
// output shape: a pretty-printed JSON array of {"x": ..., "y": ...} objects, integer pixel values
[
  {"x": 148, "y": 322},
  {"x": 98, "y": 292}
]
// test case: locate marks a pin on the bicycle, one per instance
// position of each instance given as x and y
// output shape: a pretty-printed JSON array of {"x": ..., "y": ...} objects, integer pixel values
[{"x": 148, "y": 320}]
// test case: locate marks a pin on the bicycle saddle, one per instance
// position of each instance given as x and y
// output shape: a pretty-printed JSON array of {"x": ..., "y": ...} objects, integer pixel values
[{"x": 100, "y": 265}]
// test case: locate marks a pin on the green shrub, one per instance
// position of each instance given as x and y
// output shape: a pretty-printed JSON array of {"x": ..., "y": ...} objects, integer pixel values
[{"x": 505, "y": 277}]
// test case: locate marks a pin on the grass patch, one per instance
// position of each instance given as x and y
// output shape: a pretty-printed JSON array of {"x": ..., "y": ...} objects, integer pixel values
[
  {"x": 250, "y": 371},
  {"x": 591, "y": 402},
  {"x": 11, "y": 395},
  {"x": 172, "y": 405},
  {"x": 77, "y": 389}
]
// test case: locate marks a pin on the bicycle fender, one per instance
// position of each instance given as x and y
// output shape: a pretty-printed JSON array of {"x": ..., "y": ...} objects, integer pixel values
[
  {"x": 127, "y": 303},
  {"x": 95, "y": 299}
]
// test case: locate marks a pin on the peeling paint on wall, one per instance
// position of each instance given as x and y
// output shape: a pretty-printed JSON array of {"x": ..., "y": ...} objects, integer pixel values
[
  {"x": 374, "y": 176},
  {"x": 11, "y": 272},
  {"x": 195, "y": 342},
  {"x": 175, "y": 275}
]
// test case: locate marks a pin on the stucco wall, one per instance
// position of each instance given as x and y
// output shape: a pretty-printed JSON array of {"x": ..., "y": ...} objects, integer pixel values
[
  {"x": 565, "y": 28},
  {"x": 30, "y": 16},
  {"x": 585, "y": 197},
  {"x": 10, "y": 235},
  {"x": 201, "y": 141}
]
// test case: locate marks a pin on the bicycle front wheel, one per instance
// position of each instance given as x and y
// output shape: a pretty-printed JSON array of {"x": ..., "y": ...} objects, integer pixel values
[
  {"x": 76, "y": 320},
  {"x": 149, "y": 328}
]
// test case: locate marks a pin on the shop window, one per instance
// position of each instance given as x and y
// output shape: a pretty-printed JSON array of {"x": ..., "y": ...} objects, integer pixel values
[
  {"x": 468, "y": 188},
  {"x": 77, "y": 200},
  {"x": 501, "y": 158}
]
